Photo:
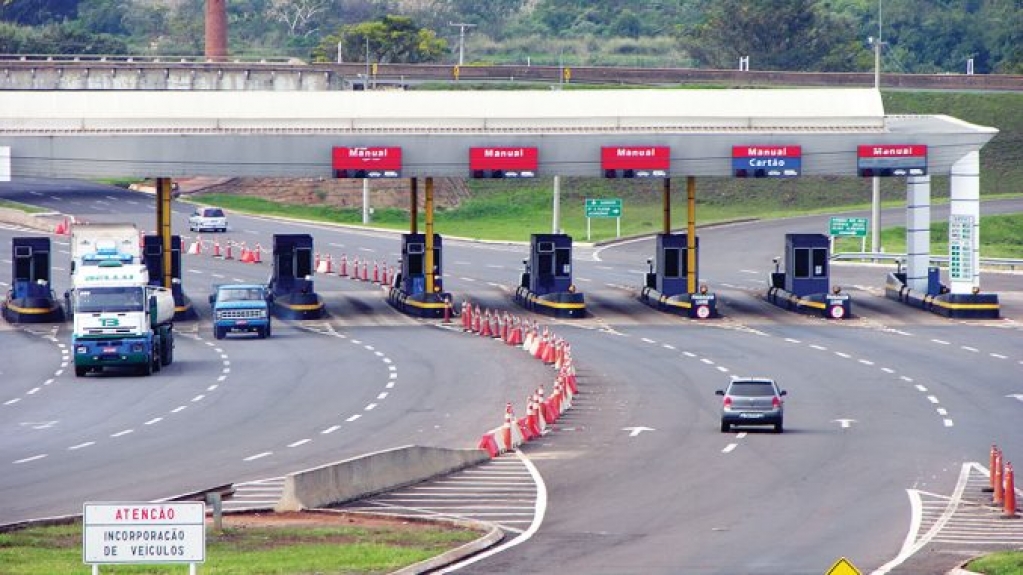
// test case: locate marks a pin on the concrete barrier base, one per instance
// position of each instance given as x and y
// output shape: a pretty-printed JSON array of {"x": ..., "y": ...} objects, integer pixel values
[{"x": 378, "y": 472}]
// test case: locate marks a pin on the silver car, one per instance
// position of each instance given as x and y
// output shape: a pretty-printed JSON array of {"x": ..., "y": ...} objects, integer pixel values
[
  {"x": 752, "y": 401},
  {"x": 207, "y": 218}
]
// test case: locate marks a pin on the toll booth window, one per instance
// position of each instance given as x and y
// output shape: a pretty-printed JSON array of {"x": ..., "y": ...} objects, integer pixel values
[
  {"x": 563, "y": 262},
  {"x": 415, "y": 264},
  {"x": 41, "y": 263},
  {"x": 544, "y": 264},
  {"x": 820, "y": 263},
  {"x": 303, "y": 262},
  {"x": 671, "y": 262},
  {"x": 801, "y": 262},
  {"x": 22, "y": 268}
]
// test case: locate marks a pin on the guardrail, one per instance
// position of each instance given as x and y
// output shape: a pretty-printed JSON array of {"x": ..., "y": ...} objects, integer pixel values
[{"x": 942, "y": 261}]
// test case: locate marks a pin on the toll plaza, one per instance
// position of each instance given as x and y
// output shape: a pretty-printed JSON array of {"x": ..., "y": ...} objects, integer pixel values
[
  {"x": 805, "y": 285},
  {"x": 30, "y": 298},
  {"x": 291, "y": 278},
  {"x": 546, "y": 284},
  {"x": 783, "y": 133},
  {"x": 153, "y": 258}
]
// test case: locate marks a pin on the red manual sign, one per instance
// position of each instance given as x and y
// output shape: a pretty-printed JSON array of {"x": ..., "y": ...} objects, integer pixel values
[
  {"x": 635, "y": 161},
  {"x": 519, "y": 161},
  {"x": 376, "y": 162}
]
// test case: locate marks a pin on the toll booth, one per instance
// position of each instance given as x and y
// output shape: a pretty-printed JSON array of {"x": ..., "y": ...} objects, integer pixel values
[
  {"x": 152, "y": 257},
  {"x": 410, "y": 291},
  {"x": 805, "y": 285},
  {"x": 291, "y": 278},
  {"x": 30, "y": 298},
  {"x": 667, "y": 283},
  {"x": 546, "y": 284}
]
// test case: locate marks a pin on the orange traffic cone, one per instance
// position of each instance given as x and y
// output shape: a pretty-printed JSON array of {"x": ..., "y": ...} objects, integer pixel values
[
  {"x": 216, "y": 249},
  {"x": 246, "y": 257},
  {"x": 485, "y": 324},
  {"x": 196, "y": 247},
  {"x": 257, "y": 254},
  {"x": 343, "y": 266},
  {"x": 376, "y": 272},
  {"x": 227, "y": 251}
]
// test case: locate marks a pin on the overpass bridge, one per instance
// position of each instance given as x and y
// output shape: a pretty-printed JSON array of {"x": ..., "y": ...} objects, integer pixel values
[
  {"x": 83, "y": 72},
  {"x": 836, "y": 132}
]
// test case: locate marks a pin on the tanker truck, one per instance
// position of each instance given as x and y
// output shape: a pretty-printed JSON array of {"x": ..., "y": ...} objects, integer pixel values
[{"x": 119, "y": 320}]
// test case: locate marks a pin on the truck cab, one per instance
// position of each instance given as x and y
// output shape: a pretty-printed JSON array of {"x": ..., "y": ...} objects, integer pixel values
[{"x": 240, "y": 308}]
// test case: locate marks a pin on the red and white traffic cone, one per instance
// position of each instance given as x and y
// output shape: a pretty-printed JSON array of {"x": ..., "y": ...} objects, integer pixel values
[
  {"x": 227, "y": 251},
  {"x": 257, "y": 254},
  {"x": 343, "y": 266},
  {"x": 1010, "y": 493},
  {"x": 216, "y": 249}
]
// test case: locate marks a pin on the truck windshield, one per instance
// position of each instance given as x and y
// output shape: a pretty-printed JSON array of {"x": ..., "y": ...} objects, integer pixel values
[
  {"x": 240, "y": 295},
  {"x": 109, "y": 299}
]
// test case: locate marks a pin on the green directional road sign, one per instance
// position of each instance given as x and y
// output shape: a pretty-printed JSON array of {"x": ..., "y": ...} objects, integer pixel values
[
  {"x": 603, "y": 208},
  {"x": 854, "y": 227}
]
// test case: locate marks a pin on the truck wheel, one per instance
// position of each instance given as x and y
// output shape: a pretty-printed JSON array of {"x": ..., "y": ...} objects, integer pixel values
[
  {"x": 218, "y": 332},
  {"x": 81, "y": 371},
  {"x": 147, "y": 368},
  {"x": 268, "y": 330},
  {"x": 167, "y": 353}
]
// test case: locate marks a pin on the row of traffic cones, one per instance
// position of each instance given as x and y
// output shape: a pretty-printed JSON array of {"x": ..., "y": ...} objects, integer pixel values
[
  {"x": 246, "y": 255},
  {"x": 355, "y": 269},
  {"x": 541, "y": 411},
  {"x": 516, "y": 331},
  {"x": 1003, "y": 485}
]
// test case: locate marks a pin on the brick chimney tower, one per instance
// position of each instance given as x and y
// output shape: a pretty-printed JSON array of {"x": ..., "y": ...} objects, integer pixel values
[{"x": 216, "y": 30}]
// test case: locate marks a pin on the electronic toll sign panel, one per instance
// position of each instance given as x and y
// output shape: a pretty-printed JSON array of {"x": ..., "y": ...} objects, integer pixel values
[
  {"x": 767, "y": 161},
  {"x": 892, "y": 160},
  {"x": 635, "y": 161},
  {"x": 367, "y": 162},
  {"x": 503, "y": 162}
]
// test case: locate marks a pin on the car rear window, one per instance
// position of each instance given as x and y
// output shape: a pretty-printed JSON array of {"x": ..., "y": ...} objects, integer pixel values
[
  {"x": 751, "y": 388},
  {"x": 215, "y": 213}
]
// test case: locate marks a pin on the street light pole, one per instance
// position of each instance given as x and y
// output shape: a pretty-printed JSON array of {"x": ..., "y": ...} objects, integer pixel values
[
  {"x": 875, "y": 195},
  {"x": 461, "y": 39}
]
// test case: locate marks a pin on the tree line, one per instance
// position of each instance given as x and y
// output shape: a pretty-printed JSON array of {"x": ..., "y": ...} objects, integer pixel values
[{"x": 922, "y": 36}]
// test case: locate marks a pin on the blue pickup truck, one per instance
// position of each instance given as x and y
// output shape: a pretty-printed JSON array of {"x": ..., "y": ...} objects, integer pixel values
[{"x": 240, "y": 308}]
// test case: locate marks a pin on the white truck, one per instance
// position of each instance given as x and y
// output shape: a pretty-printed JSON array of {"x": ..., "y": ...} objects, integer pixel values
[{"x": 119, "y": 319}]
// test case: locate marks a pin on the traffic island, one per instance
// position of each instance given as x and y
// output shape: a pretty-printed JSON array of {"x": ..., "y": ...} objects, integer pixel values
[
  {"x": 939, "y": 300},
  {"x": 701, "y": 305}
]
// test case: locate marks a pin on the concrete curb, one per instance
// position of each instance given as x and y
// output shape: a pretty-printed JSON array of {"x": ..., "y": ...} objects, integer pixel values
[{"x": 44, "y": 222}]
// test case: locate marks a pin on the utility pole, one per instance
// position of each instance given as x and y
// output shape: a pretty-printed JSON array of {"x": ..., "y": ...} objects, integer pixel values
[
  {"x": 461, "y": 39},
  {"x": 875, "y": 196}
]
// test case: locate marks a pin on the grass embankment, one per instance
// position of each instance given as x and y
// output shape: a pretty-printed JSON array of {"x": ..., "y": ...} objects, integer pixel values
[
  {"x": 21, "y": 207},
  {"x": 1002, "y": 563},
  {"x": 247, "y": 550},
  {"x": 511, "y": 210},
  {"x": 1000, "y": 237}
]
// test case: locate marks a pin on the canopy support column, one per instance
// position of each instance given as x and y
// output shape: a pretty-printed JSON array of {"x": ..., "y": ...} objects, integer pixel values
[
  {"x": 918, "y": 232},
  {"x": 964, "y": 224}
]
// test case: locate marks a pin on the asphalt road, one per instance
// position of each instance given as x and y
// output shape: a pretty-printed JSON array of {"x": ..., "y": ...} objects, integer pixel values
[{"x": 882, "y": 408}]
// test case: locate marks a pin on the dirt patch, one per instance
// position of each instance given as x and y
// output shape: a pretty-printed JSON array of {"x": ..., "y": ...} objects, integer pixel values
[
  {"x": 319, "y": 519},
  {"x": 341, "y": 193}
]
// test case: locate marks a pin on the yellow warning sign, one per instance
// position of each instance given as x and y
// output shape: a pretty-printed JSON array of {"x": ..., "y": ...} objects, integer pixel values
[{"x": 842, "y": 567}]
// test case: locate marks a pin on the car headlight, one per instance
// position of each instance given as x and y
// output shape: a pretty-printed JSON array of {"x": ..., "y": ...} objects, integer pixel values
[
  {"x": 81, "y": 349},
  {"x": 136, "y": 347}
]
